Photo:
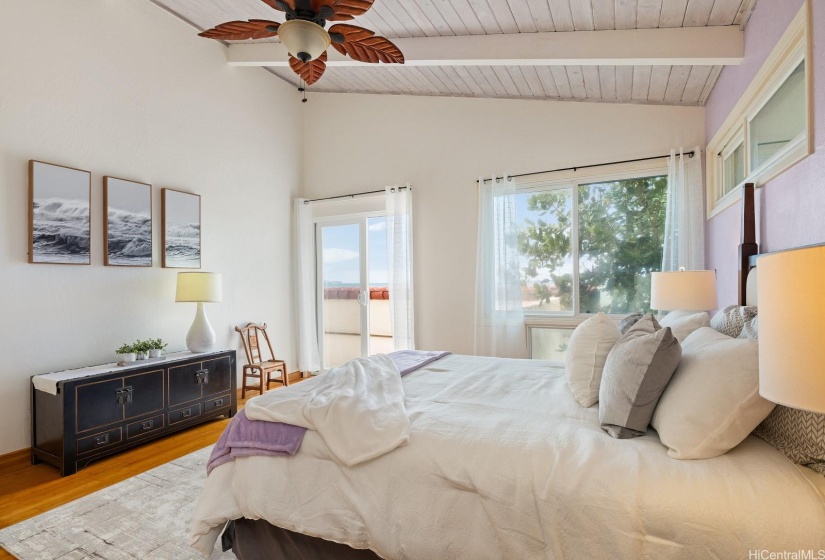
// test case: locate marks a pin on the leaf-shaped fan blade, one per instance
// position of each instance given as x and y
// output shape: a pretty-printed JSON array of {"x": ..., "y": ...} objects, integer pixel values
[
  {"x": 240, "y": 30},
  {"x": 364, "y": 45},
  {"x": 280, "y": 5},
  {"x": 343, "y": 9},
  {"x": 310, "y": 71}
]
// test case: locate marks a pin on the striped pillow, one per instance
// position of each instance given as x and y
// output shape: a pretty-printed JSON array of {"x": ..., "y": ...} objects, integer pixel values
[{"x": 799, "y": 434}]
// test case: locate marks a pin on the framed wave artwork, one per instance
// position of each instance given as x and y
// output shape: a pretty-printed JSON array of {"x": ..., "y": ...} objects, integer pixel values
[
  {"x": 59, "y": 203},
  {"x": 127, "y": 239},
  {"x": 181, "y": 229}
]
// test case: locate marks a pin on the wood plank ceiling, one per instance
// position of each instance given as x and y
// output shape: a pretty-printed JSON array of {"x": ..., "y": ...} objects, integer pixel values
[{"x": 672, "y": 85}]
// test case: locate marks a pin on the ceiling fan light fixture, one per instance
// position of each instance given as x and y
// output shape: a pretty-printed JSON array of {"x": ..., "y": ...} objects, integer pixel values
[{"x": 303, "y": 39}]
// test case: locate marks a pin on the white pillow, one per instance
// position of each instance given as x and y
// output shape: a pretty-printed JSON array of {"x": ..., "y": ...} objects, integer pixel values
[
  {"x": 682, "y": 323},
  {"x": 712, "y": 402},
  {"x": 586, "y": 353}
]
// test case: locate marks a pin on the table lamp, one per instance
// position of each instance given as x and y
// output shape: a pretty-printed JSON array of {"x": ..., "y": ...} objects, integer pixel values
[
  {"x": 691, "y": 290},
  {"x": 200, "y": 288},
  {"x": 791, "y": 301}
]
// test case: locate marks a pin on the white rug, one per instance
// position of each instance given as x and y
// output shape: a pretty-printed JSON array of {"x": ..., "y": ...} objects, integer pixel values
[{"x": 146, "y": 516}]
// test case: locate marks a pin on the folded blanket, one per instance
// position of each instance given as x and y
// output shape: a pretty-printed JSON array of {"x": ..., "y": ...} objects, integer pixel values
[{"x": 360, "y": 392}]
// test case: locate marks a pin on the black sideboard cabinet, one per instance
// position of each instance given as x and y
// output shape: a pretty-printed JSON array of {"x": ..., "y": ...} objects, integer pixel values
[{"x": 98, "y": 415}]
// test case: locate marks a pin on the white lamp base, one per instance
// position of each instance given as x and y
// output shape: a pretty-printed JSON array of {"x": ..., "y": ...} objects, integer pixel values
[{"x": 201, "y": 337}]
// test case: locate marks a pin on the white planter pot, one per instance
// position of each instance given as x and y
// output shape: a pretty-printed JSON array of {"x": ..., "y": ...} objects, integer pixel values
[
  {"x": 141, "y": 356},
  {"x": 155, "y": 353},
  {"x": 128, "y": 358}
]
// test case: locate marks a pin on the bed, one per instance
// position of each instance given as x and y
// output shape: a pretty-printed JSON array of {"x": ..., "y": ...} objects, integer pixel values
[{"x": 503, "y": 463}]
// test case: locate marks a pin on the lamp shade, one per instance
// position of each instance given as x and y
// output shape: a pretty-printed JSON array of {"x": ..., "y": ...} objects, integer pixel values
[
  {"x": 692, "y": 290},
  {"x": 303, "y": 39},
  {"x": 791, "y": 302},
  {"x": 200, "y": 287}
]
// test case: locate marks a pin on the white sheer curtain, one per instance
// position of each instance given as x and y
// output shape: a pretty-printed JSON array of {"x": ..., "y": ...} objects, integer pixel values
[
  {"x": 684, "y": 245},
  {"x": 308, "y": 359},
  {"x": 400, "y": 265},
  {"x": 500, "y": 329}
]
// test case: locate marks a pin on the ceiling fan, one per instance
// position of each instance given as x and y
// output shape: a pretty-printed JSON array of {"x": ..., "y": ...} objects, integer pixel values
[{"x": 305, "y": 38}]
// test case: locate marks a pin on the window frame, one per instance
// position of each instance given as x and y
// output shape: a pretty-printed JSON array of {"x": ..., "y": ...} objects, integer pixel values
[
  {"x": 793, "y": 48},
  {"x": 574, "y": 179}
]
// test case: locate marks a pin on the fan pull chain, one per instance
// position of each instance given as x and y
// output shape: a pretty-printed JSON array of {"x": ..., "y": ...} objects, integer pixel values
[{"x": 302, "y": 87}]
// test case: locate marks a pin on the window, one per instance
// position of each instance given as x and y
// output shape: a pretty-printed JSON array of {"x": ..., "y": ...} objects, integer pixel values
[
  {"x": 781, "y": 120},
  {"x": 590, "y": 247},
  {"x": 767, "y": 132},
  {"x": 733, "y": 165}
]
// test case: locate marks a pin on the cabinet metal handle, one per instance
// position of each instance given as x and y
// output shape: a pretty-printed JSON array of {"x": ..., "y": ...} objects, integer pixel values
[
  {"x": 102, "y": 440},
  {"x": 147, "y": 425},
  {"x": 218, "y": 403},
  {"x": 202, "y": 376},
  {"x": 123, "y": 396},
  {"x": 186, "y": 413}
]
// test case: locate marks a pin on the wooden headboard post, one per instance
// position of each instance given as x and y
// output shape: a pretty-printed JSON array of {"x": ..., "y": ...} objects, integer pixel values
[{"x": 748, "y": 246}]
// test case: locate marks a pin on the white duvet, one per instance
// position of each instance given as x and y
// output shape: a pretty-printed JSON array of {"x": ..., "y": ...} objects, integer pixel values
[{"x": 502, "y": 463}]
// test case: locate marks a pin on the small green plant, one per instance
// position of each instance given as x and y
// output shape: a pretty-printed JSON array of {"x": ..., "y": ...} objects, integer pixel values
[
  {"x": 125, "y": 349},
  {"x": 157, "y": 344},
  {"x": 142, "y": 346}
]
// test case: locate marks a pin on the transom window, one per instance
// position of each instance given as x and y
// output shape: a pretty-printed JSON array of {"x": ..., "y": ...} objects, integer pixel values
[{"x": 767, "y": 132}]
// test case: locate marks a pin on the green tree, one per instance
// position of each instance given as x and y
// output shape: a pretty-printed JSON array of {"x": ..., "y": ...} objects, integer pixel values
[{"x": 621, "y": 232}]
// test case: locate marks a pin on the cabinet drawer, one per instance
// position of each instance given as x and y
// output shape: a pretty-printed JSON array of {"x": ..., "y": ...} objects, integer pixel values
[
  {"x": 183, "y": 414},
  {"x": 216, "y": 404},
  {"x": 99, "y": 441},
  {"x": 146, "y": 426}
]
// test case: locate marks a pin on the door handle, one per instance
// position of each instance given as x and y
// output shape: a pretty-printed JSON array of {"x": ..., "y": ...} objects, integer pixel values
[
  {"x": 362, "y": 297},
  {"x": 202, "y": 376}
]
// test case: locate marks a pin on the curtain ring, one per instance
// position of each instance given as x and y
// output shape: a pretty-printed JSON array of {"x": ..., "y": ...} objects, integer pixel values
[
  {"x": 498, "y": 179},
  {"x": 392, "y": 189},
  {"x": 306, "y": 202}
]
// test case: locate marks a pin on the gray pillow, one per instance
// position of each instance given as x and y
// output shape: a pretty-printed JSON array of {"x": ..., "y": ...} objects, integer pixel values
[
  {"x": 799, "y": 434},
  {"x": 636, "y": 373},
  {"x": 732, "y": 319},
  {"x": 629, "y": 321}
]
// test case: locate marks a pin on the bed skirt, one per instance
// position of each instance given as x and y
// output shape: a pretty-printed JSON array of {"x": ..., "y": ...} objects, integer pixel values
[{"x": 258, "y": 540}]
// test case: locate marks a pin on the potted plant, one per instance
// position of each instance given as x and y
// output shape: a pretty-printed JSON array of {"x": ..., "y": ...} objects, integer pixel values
[
  {"x": 127, "y": 353},
  {"x": 141, "y": 347},
  {"x": 157, "y": 346}
]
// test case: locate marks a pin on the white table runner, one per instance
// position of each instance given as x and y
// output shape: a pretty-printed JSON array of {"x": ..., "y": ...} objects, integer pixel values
[{"x": 47, "y": 382}]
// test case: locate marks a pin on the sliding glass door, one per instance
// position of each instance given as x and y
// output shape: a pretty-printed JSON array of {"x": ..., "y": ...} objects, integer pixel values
[{"x": 353, "y": 301}]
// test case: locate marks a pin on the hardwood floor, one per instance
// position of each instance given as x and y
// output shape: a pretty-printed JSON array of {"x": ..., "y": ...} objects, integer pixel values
[{"x": 27, "y": 490}]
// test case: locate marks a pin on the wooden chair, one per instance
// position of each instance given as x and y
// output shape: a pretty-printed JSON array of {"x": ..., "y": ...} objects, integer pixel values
[{"x": 257, "y": 367}]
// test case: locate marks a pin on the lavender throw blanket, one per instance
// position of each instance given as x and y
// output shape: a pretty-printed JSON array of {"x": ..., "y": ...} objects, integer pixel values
[{"x": 244, "y": 437}]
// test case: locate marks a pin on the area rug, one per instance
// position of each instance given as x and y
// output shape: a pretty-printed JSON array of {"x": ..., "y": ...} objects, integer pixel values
[{"x": 146, "y": 516}]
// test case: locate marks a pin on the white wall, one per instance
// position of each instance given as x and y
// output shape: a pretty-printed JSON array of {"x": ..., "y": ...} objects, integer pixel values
[
  {"x": 123, "y": 88},
  {"x": 441, "y": 145}
]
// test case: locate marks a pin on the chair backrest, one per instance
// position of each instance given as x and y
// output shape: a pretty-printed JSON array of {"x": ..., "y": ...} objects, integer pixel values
[{"x": 251, "y": 336}]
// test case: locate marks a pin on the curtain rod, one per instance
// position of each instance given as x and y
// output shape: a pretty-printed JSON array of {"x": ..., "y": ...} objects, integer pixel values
[
  {"x": 576, "y": 168},
  {"x": 353, "y": 195}
]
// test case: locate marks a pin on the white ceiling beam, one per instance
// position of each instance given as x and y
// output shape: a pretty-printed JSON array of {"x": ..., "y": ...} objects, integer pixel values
[{"x": 685, "y": 46}]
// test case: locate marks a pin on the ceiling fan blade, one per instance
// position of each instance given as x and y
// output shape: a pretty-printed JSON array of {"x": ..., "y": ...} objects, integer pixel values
[
  {"x": 310, "y": 71},
  {"x": 240, "y": 30},
  {"x": 364, "y": 45},
  {"x": 343, "y": 10},
  {"x": 281, "y": 5}
]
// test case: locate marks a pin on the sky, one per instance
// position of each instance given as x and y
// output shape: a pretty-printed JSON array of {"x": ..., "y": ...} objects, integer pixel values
[
  {"x": 51, "y": 181},
  {"x": 131, "y": 197},
  {"x": 182, "y": 208},
  {"x": 341, "y": 261}
]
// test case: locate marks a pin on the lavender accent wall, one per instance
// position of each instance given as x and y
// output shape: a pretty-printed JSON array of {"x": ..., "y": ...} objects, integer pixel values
[{"x": 791, "y": 207}]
